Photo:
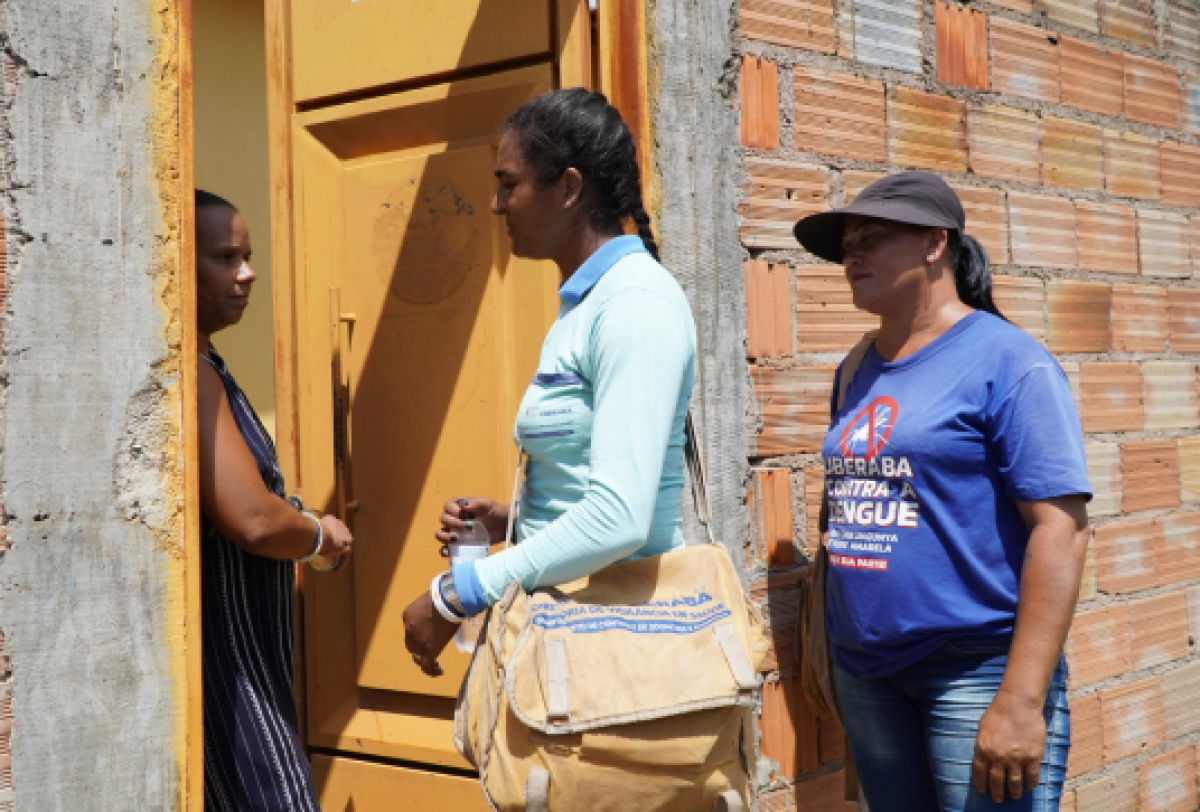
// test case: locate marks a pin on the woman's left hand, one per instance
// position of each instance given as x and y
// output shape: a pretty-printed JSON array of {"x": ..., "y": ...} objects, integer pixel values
[
  {"x": 1009, "y": 747},
  {"x": 426, "y": 633}
]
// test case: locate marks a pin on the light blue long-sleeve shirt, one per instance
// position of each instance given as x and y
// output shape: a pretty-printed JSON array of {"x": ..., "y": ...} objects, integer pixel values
[{"x": 603, "y": 425}]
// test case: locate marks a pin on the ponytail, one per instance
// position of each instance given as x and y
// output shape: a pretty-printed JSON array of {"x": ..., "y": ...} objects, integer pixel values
[
  {"x": 972, "y": 272},
  {"x": 578, "y": 128}
]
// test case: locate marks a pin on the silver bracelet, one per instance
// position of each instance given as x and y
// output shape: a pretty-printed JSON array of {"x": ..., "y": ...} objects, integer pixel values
[
  {"x": 320, "y": 538},
  {"x": 439, "y": 603}
]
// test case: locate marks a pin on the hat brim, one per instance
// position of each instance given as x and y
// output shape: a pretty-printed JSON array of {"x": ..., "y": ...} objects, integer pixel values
[{"x": 821, "y": 234}]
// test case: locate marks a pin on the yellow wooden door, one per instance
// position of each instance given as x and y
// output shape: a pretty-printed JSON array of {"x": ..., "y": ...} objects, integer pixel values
[{"x": 407, "y": 333}]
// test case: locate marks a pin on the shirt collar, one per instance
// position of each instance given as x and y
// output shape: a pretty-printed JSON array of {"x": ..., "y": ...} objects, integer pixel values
[{"x": 598, "y": 264}]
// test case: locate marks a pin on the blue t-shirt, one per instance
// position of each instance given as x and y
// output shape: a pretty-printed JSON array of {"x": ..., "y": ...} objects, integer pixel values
[{"x": 925, "y": 463}]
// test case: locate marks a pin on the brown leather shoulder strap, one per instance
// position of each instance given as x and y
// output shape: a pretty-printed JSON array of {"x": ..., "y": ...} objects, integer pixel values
[{"x": 850, "y": 366}]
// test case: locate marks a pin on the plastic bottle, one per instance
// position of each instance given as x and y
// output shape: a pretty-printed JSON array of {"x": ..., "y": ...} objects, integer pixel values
[{"x": 472, "y": 545}]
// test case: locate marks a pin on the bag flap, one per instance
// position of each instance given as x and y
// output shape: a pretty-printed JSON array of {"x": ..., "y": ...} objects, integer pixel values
[{"x": 639, "y": 640}]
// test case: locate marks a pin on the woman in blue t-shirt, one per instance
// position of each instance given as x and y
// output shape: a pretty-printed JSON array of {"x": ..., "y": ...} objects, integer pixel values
[{"x": 956, "y": 486}]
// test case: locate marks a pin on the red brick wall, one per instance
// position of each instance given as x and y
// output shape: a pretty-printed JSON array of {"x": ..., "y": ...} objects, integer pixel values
[{"x": 1070, "y": 129}]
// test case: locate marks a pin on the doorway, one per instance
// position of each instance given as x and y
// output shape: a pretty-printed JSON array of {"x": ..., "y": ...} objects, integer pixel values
[{"x": 392, "y": 334}]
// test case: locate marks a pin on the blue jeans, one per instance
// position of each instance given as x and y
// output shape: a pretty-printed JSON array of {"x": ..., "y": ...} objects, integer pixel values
[{"x": 912, "y": 734}]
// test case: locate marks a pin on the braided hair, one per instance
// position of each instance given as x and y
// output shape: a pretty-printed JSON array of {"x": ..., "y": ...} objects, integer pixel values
[{"x": 578, "y": 129}]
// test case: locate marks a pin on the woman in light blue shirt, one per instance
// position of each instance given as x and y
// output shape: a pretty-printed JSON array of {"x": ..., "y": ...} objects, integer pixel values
[{"x": 603, "y": 419}]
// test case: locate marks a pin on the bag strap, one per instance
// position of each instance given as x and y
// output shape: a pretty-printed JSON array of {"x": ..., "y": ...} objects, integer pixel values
[
  {"x": 694, "y": 458},
  {"x": 850, "y": 366}
]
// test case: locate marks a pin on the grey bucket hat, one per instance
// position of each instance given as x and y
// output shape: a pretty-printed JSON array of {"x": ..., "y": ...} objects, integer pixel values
[{"x": 917, "y": 198}]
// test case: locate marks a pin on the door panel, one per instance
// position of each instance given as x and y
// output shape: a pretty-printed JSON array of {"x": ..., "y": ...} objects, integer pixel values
[
  {"x": 346, "y": 46},
  {"x": 357, "y": 786},
  {"x": 406, "y": 336},
  {"x": 436, "y": 328}
]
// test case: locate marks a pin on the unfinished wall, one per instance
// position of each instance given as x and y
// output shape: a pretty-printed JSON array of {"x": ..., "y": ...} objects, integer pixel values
[
  {"x": 696, "y": 161},
  {"x": 1070, "y": 129},
  {"x": 94, "y": 611}
]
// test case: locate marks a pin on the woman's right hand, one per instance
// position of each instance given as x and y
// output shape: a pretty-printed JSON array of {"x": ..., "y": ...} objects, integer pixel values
[
  {"x": 458, "y": 512},
  {"x": 338, "y": 539}
]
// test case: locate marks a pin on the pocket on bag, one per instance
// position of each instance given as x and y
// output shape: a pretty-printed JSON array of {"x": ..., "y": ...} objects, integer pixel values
[{"x": 699, "y": 740}]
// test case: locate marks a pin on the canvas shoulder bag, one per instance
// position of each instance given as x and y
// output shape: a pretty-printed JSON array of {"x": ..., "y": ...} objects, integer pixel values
[{"x": 634, "y": 688}]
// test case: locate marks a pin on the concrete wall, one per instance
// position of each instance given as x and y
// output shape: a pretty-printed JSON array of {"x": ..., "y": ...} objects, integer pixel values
[
  {"x": 94, "y": 605},
  {"x": 696, "y": 162},
  {"x": 1070, "y": 129}
]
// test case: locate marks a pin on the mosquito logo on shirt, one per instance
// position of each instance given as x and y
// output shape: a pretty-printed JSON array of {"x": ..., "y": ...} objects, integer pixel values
[
  {"x": 871, "y": 494},
  {"x": 866, "y": 435}
]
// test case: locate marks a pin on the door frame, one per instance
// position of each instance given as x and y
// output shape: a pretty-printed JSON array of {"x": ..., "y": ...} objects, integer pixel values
[{"x": 622, "y": 74}]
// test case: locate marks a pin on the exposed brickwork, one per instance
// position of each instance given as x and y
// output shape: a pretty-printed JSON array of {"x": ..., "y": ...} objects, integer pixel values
[
  {"x": 770, "y": 501},
  {"x": 926, "y": 131},
  {"x": 1167, "y": 783},
  {"x": 1087, "y": 741},
  {"x": 1104, "y": 470},
  {"x": 1072, "y": 154},
  {"x": 1180, "y": 174},
  {"x": 1071, "y": 131},
  {"x": 1129, "y": 20},
  {"x": 760, "y": 103},
  {"x": 1042, "y": 230},
  {"x": 1092, "y": 77},
  {"x": 1132, "y": 716},
  {"x": 1151, "y": 91},
  {"x": 825, "y": 310},
  {"x": 840, "y": 113},
  {"x": 794, "y": 407},
  {"x": 962, "y": 46},
  {"x": 1150, "y": 475},
  {"x": 1179, "y": 556},
  {"x": 987, "y": 219},
  {"x": 779, "y": 597},
  {"x": 1098, "y": 645},
  {"x": 1111, "y": 396},
  {"x": 1107, "y": 237},
  {"x": 1115, "y": 792},
  {"x": 1164, "y": 243},
  {"x": 1004, "y": 142},
  {"x": 780, "y": 193},
  {"x": 1181, "y": 710},
  {"x": 1158, "y": 629},
  {"x": 1132, "y": 165},
  {"x": 768, "y": 290},
  {"x": 1185, "y": 320},
  {"x": 1127, "y": 556},
  {"x": 1182, "y": 34},
  {"x": 1023, "y": 302},
  {"x": 1139, "y": 318},
  {"x": 1079, "y": 316},
  {"x": 1083, "y": 14},
  {"x": 1170, "y": 394},
  {"x": 797, "y": 23},
  {"x": 785, "y": 713},
  {"x": 1025, "y": 61}
]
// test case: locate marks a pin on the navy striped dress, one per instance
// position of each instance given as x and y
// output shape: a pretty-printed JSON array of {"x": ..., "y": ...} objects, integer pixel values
[{"x": 253, "y": 759}]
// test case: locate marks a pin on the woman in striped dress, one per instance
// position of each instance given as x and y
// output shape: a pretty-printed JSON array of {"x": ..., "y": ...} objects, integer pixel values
[{"x": 252, "y": 537}]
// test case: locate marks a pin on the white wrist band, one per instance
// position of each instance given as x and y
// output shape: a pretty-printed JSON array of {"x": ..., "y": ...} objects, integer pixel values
[
  {"x": 435, "y": 594},
  {"x": 320, "y": 538}
]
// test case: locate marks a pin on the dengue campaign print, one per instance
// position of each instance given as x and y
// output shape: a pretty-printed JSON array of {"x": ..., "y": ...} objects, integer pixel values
[{"x": 870, "y": 491}]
